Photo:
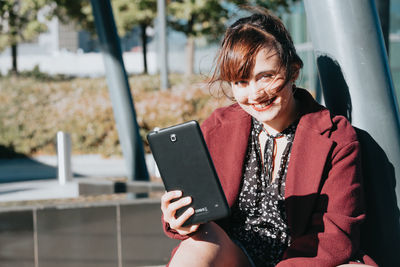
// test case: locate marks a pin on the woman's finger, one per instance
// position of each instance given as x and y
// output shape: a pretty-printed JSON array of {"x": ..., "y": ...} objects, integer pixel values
[
  {"x": 168, "y": 196},
  {"x": 193, "y": 228},
  {"x": 188, "y": 230},
  {"x": 174, "y": 206},
  {"x": 178, "y": 222}
]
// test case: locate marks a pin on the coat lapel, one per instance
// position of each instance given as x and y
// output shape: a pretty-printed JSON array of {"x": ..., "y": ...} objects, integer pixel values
[
  {"x": 310, "y": 152},
  {"x": 227, "y": 143}
]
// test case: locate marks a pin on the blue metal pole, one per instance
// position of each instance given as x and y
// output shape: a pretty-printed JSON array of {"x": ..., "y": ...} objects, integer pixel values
[
  {"x": 356, "y": 81},
  {"x": 351, "y": 56},
  {"x": 121, "y": 98},
  {"x": 163, "y": 49}
]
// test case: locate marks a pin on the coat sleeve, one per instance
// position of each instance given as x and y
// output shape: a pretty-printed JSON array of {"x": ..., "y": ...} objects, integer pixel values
[
  {"x": 333, "y": 235},
  {"x": 171, "y": 233}
]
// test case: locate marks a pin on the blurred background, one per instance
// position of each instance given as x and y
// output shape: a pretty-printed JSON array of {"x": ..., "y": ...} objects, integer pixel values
[
  {"x": 52, "y": 74},
  {"x": 53, "y": 79}
]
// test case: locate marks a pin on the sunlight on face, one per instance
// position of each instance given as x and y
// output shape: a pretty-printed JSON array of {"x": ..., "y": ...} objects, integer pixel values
[{"x": 264, "y": 95}]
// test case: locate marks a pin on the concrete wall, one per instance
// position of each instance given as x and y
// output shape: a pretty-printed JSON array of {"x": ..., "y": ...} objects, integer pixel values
[{"x": 117, "y": 234}]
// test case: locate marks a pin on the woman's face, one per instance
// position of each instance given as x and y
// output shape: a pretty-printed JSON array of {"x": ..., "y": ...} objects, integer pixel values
[{"x": 262, "y": 95}]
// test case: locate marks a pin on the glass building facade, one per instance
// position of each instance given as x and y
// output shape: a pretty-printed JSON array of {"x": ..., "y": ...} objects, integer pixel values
[
  {"x": 297, "y": 24},
  {"x": 394, "y": 44}
]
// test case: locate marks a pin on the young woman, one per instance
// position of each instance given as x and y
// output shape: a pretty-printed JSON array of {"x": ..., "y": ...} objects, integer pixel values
[{"x": 290, "y": 170}]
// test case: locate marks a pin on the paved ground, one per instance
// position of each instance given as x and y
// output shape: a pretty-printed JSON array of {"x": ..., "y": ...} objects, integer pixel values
[
  {"x": 36, "y": 178},
  {"x": 45, "y": 167}
]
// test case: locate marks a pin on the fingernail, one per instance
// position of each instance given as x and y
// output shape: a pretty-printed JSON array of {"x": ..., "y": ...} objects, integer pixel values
[
  {"x": 188, "y": 200},
  {"x": 191, "y": 210},
  {"x": 178, "y": 193}
]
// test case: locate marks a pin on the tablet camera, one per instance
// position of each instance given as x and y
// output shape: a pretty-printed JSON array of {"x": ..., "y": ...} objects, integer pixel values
[{"x": 172, "y": 137}]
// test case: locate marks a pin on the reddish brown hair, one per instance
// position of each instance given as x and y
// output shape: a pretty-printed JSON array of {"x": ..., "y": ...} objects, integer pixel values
[{"x": 245, "y": 38}]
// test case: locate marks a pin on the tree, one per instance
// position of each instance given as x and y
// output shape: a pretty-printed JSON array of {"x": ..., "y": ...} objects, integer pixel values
[
  {"x": 19, "y": 23},
  {"x": 129, "y": 13},
  {"x": 197, "y": 18},
  {"x": 19, "y": 20},
  {"x": 273, "y": 5},
  {"x": 79, "y": 11},
  {"x": 208, "y": 18}
]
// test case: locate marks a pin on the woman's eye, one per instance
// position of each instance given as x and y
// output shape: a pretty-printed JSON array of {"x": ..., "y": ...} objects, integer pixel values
[
  {"x": 267, "y": 77},
  {"x": 241, "y": 83}
]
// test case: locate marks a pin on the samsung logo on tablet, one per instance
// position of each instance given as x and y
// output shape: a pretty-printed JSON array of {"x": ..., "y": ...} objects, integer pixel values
[{"x": 201, "y": 210}]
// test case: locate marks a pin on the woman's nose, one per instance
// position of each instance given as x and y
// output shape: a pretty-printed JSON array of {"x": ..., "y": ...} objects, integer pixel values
[{"x": 256, "y": 92}]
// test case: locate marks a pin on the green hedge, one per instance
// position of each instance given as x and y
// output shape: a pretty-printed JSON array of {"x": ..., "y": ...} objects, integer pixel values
[{"x": 33, "y": 109}]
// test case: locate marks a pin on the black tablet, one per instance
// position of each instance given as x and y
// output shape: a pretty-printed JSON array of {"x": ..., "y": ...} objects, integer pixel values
[{"x": 185, "y": 164}]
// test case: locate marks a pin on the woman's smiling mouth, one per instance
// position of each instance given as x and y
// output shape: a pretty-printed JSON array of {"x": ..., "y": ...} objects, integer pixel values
[{"x": 264, "y": 106}]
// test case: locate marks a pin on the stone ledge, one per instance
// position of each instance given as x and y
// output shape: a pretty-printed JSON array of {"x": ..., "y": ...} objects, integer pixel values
[{"x": 112, "y": 186}]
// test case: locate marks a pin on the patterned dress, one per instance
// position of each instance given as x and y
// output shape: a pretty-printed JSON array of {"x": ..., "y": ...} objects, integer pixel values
[{"x": 258, "y": 221}]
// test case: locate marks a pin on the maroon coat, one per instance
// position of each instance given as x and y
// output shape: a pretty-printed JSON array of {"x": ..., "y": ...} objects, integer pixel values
[{"x": 323, "y": 194}]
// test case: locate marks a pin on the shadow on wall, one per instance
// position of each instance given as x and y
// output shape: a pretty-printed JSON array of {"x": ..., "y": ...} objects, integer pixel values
[
  {"x": 380, "y": 234},
  {"x": 335, "y": 89},
  {"x": 381, "y": 231}
]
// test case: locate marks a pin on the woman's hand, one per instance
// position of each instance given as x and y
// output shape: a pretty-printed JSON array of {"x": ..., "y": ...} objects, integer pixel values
[{"x": 169, "y": 209}]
